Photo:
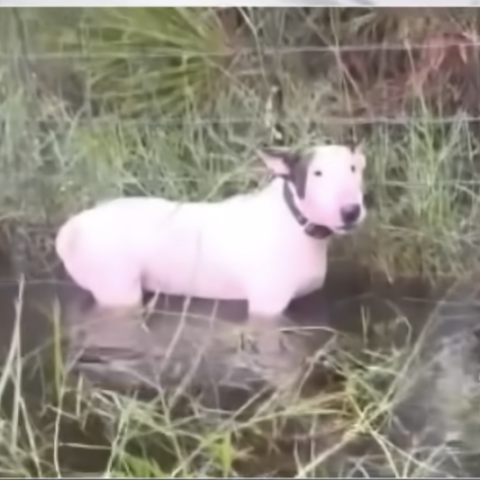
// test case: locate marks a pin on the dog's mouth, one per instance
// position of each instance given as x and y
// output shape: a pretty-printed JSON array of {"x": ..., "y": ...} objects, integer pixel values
[{"x": 347, "y": 228}]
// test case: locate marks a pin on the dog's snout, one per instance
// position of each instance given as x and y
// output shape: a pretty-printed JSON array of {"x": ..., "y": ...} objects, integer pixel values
[{"x": 350, "y": 213}]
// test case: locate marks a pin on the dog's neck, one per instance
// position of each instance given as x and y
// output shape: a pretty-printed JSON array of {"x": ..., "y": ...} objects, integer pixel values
[{"x": 319, "y": 232}]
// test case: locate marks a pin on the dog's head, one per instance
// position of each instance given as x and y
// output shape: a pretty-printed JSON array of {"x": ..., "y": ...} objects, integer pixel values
[{"x": 327, "y": 183}]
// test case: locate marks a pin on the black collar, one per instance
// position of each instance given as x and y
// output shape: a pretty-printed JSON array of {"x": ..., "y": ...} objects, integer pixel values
[{"x": 311, "y": 229}]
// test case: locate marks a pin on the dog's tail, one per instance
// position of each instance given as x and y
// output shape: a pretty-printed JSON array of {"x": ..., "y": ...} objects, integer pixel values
[{"x": 67, "y": 240}]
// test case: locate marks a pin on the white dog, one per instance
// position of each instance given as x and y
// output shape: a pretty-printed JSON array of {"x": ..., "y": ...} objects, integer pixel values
[{"x": 266, "y": 247}]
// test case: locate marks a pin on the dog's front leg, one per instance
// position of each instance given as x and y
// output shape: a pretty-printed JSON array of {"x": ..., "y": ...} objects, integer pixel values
[
  {"x": 121, "y": 294},
  {"x": 274, "y": 353}
]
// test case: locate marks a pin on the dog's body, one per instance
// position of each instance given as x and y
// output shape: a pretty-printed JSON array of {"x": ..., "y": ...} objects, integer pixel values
[
  {"x": 259, "y": 246},
  {"x": 225, "y": 250}
]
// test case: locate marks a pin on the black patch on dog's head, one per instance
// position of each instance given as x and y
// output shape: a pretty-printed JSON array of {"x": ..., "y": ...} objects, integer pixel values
[{"x": 295, "y": 165}]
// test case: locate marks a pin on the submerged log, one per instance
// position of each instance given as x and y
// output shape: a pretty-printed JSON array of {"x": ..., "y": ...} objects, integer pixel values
[
  {"x": 204, "y": 345},
  {"x": 195, "y": 344},
  {"x": 199, "y": 345}
]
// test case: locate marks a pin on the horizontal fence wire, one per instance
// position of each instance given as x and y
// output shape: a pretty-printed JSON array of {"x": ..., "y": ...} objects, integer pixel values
[
  {"x": 326, "y": 120},
  {"x": 281, "y": 50},
  {"x": 261, "y": 52}
]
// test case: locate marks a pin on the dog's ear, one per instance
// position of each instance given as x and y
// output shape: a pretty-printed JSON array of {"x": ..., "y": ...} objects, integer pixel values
[
  {"x": 280, "y": 161},
  {"x": 356, "y": 146},
  {"x": 289, "y": 164}
]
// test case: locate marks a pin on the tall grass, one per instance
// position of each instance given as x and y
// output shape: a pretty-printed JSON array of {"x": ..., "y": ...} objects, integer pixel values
[{"x": 421, "y": 175}]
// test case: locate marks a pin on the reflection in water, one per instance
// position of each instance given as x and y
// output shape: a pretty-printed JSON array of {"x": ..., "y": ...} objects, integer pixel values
[{"x": 436, "y": 378}]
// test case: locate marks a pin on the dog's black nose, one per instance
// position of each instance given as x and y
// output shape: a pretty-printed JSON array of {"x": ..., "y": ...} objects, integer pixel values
[{"x": 350, "y": 213}]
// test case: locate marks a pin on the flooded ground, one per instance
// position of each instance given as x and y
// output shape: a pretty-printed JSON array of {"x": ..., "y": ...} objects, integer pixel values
[{"x": 120, "y": 353}]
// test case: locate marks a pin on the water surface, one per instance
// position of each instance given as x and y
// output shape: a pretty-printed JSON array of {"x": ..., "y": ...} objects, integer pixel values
[{"x": 114, "y": 353}]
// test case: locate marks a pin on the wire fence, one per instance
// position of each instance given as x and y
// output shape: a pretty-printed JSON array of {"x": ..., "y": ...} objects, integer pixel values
[
  {"x": 267, "y": 51},
  {"x": 325, "y": 120},
  {"x": 69, "y": 143},
  {"x": 436, "y": 56}
]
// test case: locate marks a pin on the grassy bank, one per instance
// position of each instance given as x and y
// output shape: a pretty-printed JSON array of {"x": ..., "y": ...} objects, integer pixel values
[{"x": 58, "y": 155}]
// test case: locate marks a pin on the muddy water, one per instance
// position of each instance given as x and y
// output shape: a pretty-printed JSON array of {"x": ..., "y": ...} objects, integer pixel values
[{"x": 444, "y": 373}]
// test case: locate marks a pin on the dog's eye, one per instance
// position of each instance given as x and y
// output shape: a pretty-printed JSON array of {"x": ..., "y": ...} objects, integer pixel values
[
  {"x": 353, "y": 168},
  {"x": 318, "y": 173}
]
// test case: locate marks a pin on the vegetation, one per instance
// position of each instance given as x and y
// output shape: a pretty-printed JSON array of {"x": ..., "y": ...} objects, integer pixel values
[{"x": 174, "y": 102}]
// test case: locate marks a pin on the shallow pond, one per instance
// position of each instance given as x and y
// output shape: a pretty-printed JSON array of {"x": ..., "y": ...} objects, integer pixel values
[{"x": 113, "y": 353}]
